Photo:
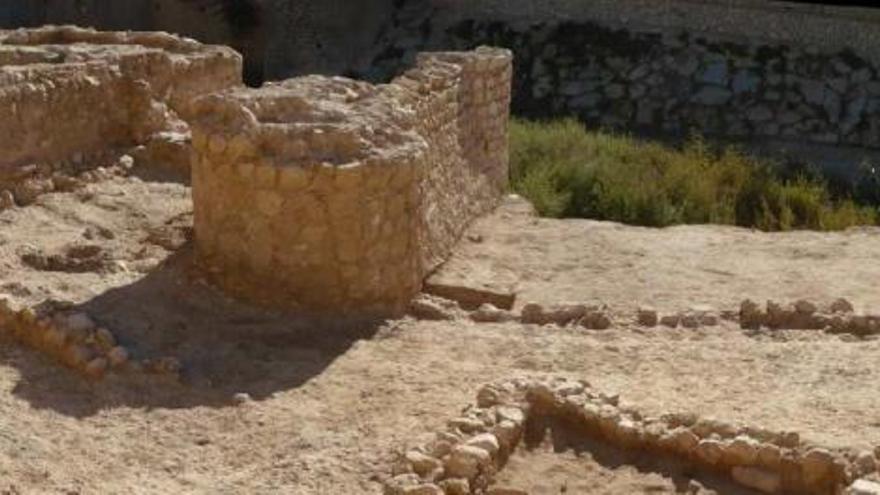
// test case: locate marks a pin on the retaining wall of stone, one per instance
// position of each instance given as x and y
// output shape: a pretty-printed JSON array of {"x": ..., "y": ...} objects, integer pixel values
[
  {"x": 330, "y": 194},
  {"x": 759, "y": 72},
  {"x": 73, "y": 92}
]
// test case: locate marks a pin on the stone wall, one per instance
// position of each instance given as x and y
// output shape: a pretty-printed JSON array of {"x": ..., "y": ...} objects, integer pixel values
[
  {"x": 325, "y": 194},
  {"x": 466, "y": 455},
  {"x": 766, "y": 70},
  {"x": 679, "y": 83},
  {"x": 74, "y": 92}
]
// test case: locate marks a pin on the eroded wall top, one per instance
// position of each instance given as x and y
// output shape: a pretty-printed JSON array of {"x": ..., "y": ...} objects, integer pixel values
[
  {"x": 72, "y": 92},
  {"x": 332, "y": 195}
]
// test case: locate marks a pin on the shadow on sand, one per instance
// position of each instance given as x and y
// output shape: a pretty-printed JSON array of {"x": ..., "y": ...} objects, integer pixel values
[
  {"x": 225, "y": 347},
  {"x": 543, "y": 431}
]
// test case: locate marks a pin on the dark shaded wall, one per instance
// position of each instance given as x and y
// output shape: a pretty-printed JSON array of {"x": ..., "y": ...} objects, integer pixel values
[
  {"x": 279, "y": 38},
  {"x": 205, "y": 20}
]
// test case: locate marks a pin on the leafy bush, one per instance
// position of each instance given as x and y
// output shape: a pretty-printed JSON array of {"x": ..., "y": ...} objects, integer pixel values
[{"x": 566, "y": 171}]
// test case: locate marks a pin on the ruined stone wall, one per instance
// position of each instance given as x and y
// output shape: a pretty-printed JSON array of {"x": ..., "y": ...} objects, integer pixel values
[
  {"x": 72, "y": 92},
  {"x": 328, "y": 194},
  {"x": 465, "y": 126}
]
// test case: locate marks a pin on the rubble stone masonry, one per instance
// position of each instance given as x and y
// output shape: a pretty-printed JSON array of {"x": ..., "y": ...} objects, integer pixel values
[
  {"x": 68, "y": 91},
  {"x": 325, "y": 193}
]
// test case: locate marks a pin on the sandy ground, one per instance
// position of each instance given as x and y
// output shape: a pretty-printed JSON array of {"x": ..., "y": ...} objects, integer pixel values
[
  {"x": 334, "y": 401},
  {"x": 555, "y": 460},
  {"x": 672, "y": 268}
]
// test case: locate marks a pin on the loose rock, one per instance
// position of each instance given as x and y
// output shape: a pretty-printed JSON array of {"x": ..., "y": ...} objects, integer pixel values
[
  {"x": 841, "y": 305},
  {"x": 648, "y": 317},
  {"x": 759, "y": 479},
  {"x": 118, "y": 356},
  {"x": 426, "y": 307},
  {"x": 863, "y": 487},
  {"x": 485, "y": 441},
  {"x": 466, "y": 461},
  {"x": 488, "y": 313},
  {"x": 456, "y": 486},
  {"x": 670, "y": 321},
  {"x": 422, "y": 464},
  {"x": 96, "y": 368}
]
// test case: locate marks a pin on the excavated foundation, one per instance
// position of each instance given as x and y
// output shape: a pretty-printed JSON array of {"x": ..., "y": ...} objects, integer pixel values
[{"x": 467, "y": 456}]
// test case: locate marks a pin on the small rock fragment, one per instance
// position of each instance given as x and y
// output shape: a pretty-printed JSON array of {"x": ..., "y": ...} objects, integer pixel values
[
  {"x": 597, "y": 320},
  {"x": 488, "y": 313},
  {"x": 456, "y": 486},
  {"x": 422, "y": 464},
  {"x": 505, "y": 490},
  {"x": 817, "y": 466},
  {"x": 750, "y": 315},
  {"x": 104, "y": 338},
  {"x": 690, "y": 320},
  {"x": 670, "y": 321},
  {"x": 65, "y": 183},
  {"x": 77, "y": 356},
  {"x": 426, "y": 307},
  {"x": 512, "y": 414},
  {"x": 866, "y": 462},
  {"x": 126, "y": 162},
  {"x": 488, "y": 396},
  {"x": 7, "y": 200},
  {"x": 841, "y": 305},
  {"x": 55, "y": 336},
  {"x": 96, "y": 368},
  {"x": 805, "y": 307},
  {"x": 508, "y": 434},
  {"x": 769, "y": 456},
  {"x": 77, "y": 322},
  {"x": 759, "y": 479},
  {"x": 683, "y": 440},
  {"x": 466, "y": 461},
  {"x": 485, "y": 441},
  {"x": 118, "y": 356},
  {"x": 410, "y": 484},
  {"x": 710, "y": 451},
  {"x": 741, "y": 451},
  {"x": 27, "y": 191},
  {"x": 863, "y": 487},
  {"x": 647, "y": 316},
  {"x": 559, "y": 314},
  {"x": 166, "y": 366}
]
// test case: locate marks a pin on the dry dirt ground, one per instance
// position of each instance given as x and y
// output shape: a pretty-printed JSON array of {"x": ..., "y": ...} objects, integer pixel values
[{"x": 333, "y": 402}]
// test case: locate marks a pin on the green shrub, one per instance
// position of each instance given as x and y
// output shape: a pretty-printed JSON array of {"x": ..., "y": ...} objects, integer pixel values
[{"x": 566, "y": 171}]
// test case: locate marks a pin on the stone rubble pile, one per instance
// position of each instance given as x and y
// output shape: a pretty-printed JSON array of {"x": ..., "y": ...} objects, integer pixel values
[
  {"x": 588, "y": 316},
  {"x": 838, "y": 317},
  {"x": 75, "y": 340},
  {"x": 429, "y": 307},
  {"x": 29, "y": 183},
  {"x": 463, "y": 458}
]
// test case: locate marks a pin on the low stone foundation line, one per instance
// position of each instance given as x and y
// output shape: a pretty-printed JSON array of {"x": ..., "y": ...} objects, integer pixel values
[
  {"x": 75, "y": 340},
  {"x": 838, "y": 317},
  {"x": 464, "y": 457}
]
